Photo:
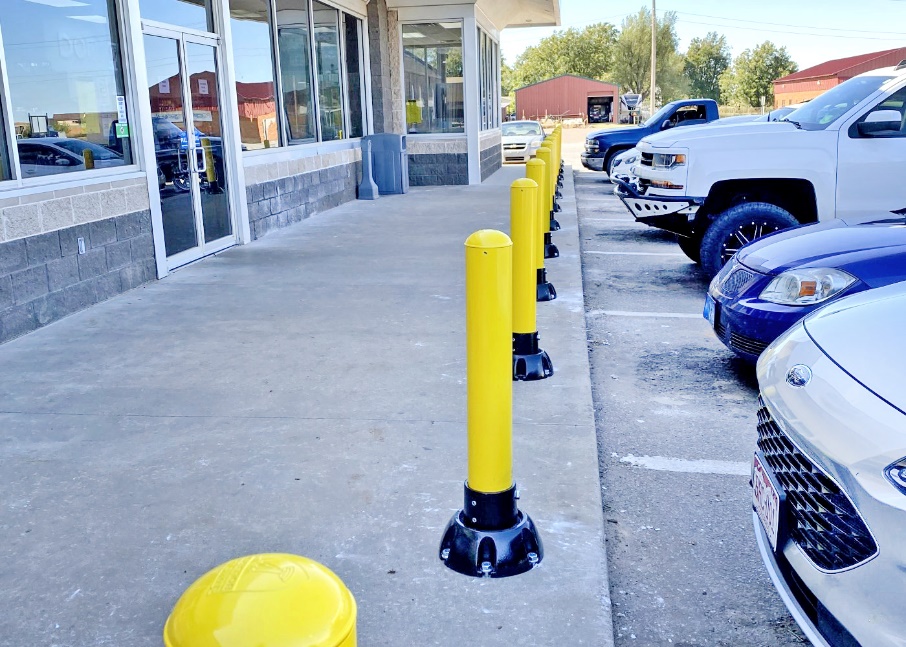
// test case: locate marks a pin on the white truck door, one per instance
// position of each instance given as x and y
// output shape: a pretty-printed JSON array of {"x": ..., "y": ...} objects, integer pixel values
[{"x": 871, "y": 161}]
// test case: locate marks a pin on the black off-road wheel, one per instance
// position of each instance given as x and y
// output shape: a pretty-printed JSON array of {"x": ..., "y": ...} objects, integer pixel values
[
  {"x": 738, "y": 226},
  {"x": 691, "y": 246}
]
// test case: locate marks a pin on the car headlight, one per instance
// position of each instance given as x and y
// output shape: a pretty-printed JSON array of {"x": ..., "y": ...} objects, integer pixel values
[
  {"x": 806, "y": 286},
  {"x": 896, "y": 474},
  {"x": 535, "y": 144},
  {"x": 667, "y": 160}
]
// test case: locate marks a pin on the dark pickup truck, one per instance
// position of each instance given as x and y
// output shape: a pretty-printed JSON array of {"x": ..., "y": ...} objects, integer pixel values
[{"x": 602, "y": 146}]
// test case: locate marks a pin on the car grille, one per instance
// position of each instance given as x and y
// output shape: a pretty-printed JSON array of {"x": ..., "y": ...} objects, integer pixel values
[
  {"x": 734, "y": 340},
  {"x": 647, "y": 159},
  {"x": 735, "y": 282},
  {"x": 821, "y": 519},
  {"x": 513, "y": 147}
]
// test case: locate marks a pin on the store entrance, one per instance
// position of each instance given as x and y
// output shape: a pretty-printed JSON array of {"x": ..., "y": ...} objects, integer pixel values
[{"x": 189, "y": 144}]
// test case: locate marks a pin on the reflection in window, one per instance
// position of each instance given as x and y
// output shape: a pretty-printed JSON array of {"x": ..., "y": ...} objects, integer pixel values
[
  {"x": 194, "y": 14},
  {"x": 256, "y": 92},
  {"x": 355, "y": 90},
  {"x": 295, "y": 69},
  {"x": 432, "y": 65},
  {"x": 4, "y": 154},
  {"x": 490, "y": 91},
  {"x": 327, "y": 58},
  {"x": 66, "y": 85}
]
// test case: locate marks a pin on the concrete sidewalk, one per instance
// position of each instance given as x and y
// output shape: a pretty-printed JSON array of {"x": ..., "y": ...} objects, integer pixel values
[{"x": 303, "y": 394}]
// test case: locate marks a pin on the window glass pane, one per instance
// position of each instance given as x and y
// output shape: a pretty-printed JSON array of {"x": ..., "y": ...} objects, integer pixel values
[
  {"x": 256, "y": 90},
  {"x": 4, "y": 154},
  {"x": 353, "y": 27},
  {"x": 194, "y": 14},
  {"x": 432, "y": 65},
  {"x": 294, "y": 47},
  {"x": 327, "y": 58},
  {"x": 66, "y": 85}
]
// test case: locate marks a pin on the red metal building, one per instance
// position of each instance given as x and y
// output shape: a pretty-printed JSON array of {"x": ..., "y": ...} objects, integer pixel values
[
  {"x": 569, "y": 96},
  {"x": 809, "y": 83}
]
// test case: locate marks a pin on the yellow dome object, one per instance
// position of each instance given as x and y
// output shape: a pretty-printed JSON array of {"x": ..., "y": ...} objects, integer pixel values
[
  {"x": 488, "y": 239},
  {"x": 267, "y": 600}
]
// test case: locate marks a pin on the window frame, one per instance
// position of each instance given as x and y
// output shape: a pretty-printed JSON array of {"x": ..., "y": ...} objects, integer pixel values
[{"x": 16, "y": 183}]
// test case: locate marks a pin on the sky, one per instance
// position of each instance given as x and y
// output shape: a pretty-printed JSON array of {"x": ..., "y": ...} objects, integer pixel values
[{"x": 813, "y": 31}]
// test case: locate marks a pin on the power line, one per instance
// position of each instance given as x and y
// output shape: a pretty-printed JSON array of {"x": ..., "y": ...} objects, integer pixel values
[
  {"x": 779, "y": 24},
  {"x": 795, "y": 33}
]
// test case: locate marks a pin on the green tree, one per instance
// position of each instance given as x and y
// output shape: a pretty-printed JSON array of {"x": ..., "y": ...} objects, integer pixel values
[
  {"x": 706, "y": 60},
  {"x": 586, "y": 52},
  {"x": 632, "y": 57},
  {"x": 752, "y": 74}
]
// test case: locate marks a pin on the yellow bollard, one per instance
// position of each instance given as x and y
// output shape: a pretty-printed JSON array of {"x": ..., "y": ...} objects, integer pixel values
[
  {"x": 536, "y": 170},
  {"x": 88, "y": 156},
  {"x": 490, "y": 537},
  {"x": 554, "y": 180},
  {"x": 210, "y": 171},
  {"x": 267, "y": 600},
  {"x": 529, "y": 361},
  {"x": 546, "y": 155}
]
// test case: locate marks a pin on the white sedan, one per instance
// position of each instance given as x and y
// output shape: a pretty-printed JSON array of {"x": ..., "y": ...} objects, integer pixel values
[{"x": 521, "y": 140}]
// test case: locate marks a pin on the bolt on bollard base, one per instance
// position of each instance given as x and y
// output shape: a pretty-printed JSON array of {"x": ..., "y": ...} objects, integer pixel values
[
  {"x": 550, "y": 250},
  {"x": 491, "y": 537},
  {"x": 544, "y": 291},
  {"x": 529, "y": 361}
]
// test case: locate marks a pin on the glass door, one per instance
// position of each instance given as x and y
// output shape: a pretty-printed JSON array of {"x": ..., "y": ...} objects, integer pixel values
[{"x": 188, "y": 143}]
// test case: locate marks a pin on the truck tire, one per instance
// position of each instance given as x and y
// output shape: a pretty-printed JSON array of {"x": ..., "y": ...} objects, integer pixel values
[
  {"x": 691, "y": 246},
  {"x": 737, "y": 226}
]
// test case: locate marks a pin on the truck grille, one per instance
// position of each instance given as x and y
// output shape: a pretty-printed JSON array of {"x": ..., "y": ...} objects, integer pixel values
[
  {"x": 591, "y": 146},
  {"x": 820, "y": 517},
  {"x": 647, "y": 159}
]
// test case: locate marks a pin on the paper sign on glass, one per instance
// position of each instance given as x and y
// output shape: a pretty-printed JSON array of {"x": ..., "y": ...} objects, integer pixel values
[
  {"x": 203, "y": 86},
  {"x": 164, "y": 86},
  {"x": 121, "y": 115}
]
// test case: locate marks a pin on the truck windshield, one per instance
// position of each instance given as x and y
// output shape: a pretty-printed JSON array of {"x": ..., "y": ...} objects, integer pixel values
[
  {"x": 660, "y": 115},
  {"x": 823, "y": 110}
]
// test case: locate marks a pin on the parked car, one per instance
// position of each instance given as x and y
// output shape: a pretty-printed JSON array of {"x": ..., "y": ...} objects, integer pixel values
[
  {"x": 520, "y": 140},
  {"x": 602, "y": 146},
  {"x": 841, "y": 155},
  {"x": 829, "y": 474},
  {"x": 50, "y": 156},
  {"x": 772, "y": 283}
]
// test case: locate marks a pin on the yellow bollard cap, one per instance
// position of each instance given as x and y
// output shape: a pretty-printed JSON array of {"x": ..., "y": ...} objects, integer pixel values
[
  {"x": 489, "y": 239},
  {"x": 267, "y": 600},
  {"x": 524, "y": 183}
]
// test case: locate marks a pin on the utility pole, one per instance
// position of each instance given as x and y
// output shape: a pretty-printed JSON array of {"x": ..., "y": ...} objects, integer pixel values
[{"x": 653, "y": 54}]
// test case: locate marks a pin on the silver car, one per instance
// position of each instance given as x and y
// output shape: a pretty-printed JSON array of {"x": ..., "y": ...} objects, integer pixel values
[
  {"x": 520, "y": 140},
  {"x": 829, "y": 475}
]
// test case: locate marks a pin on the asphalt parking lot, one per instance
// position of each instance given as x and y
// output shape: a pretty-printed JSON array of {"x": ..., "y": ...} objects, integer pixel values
[{"x": 675, "y": 414}]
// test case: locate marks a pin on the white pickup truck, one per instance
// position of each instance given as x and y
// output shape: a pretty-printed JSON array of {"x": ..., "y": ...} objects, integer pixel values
[{"x": 841, "y": 155}]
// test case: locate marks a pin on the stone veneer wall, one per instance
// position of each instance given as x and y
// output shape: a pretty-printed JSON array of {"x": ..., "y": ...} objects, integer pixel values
[
  {"x": 437, "y": 161},
  {"x": 283, "y": 193},
  {"x": 43, "y": 278},
  {"x": 491, "y": 153}
]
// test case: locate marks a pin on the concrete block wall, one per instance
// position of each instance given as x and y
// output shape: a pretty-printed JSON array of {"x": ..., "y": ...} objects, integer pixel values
[
  {"x": 44, "y": 277},
  {"x": 491, "y": 153},
  {"x": 437, "y": 161},
  {"x": 288, "y": 192}
]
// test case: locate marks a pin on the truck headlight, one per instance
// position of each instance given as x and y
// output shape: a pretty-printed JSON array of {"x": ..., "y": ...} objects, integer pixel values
[
  {"x": 667, "y": 160},
  {"x": 806, "y": 286}
]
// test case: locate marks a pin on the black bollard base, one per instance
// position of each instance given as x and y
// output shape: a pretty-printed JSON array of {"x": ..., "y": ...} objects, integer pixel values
[
  {"x": 550, "y": 250},
  {"x": 544, "y": 291},
  {"x": 490, "y": 537},
  {"x": 555, "y": 226},
  {"x": 530, "y": 362}
]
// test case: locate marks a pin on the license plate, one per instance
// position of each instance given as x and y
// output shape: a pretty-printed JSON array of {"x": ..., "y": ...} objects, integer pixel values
[
  {"x": 709, "y": 309},
  {"x": 766, "y": 501}
]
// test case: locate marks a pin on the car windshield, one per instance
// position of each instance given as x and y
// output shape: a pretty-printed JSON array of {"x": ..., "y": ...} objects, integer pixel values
[
  {"x": 825, "y": 109},
  {"x": 521, "y": 129},
  {"x": 78, "y": 147},
  {"x": 659, "y": 116}
]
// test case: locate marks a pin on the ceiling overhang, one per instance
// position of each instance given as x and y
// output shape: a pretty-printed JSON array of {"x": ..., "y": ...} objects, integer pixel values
[{"x": 501, "y": 13}]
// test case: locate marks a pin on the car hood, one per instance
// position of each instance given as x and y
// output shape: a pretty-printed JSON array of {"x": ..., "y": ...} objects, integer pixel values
[
  {"x": 874, "y": 253},
  {"x": 616, "y": 130},
  {"x": 683, "y": 135},
  {"x": 520, "y": 139},
  {"x": 863, "y": 334}
]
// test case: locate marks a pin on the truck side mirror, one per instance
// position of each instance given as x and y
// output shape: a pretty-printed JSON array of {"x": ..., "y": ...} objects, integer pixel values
[
  {"x": 667, "y": 124},
  {"x": 880, "y": 121}
]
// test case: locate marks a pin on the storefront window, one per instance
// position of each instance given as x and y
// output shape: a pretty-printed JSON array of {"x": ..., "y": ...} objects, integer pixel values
[
  {"x": 327, "y": 57},
  {"x": 432, "y": 66},
  {"x": 353, "y": 29},
  {"x": 256, "y": 89},
  {"x": 192, "y": 14},
  {"x": 294, "y": 50},
  {"x": 490, "y": 90},
  {"x": 4, "y": 154},
  {"x": 69, "y": 105}
]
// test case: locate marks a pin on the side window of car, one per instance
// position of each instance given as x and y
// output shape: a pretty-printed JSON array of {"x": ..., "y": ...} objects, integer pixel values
[
  {"x": 886, "y": 119},
  {"x": 689, "y": 115}
]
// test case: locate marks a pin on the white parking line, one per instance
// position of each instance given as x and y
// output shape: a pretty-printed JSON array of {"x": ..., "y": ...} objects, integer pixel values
[
  {"x": 635, "y": 254},
  {"x": 630, "y": 220},
  {"x": 656, "y": 315},
  {"x": 664, "y": 464}
]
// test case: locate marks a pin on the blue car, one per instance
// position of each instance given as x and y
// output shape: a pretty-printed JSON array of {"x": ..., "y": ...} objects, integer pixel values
[{"x": 775, "y": 281}]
